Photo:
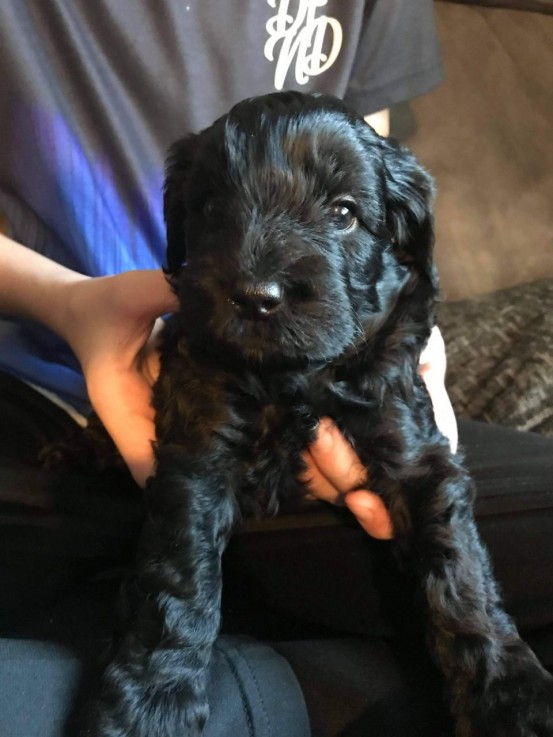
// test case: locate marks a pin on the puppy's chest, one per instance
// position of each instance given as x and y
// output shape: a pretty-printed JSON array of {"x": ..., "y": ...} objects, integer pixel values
[
  {"x": 269, "y": 419},
  {"x": 269, "y": 424},
  {"x": 251, "y": 429}
]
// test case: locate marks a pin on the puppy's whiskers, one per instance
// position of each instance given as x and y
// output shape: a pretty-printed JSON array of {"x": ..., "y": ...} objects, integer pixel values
[{"x": 361, "y": 328}]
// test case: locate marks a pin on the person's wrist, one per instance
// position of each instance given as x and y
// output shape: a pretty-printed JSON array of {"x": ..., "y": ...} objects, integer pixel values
[{"x": 66, "y": 311}]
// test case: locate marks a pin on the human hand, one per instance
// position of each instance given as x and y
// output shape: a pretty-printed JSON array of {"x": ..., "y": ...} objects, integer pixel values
[
  {"x": 111, "y": 324},
  {"x": 108, "y": 322},
  {"x": 333, "y": 468},
  {"x": 432, "y": 368}
]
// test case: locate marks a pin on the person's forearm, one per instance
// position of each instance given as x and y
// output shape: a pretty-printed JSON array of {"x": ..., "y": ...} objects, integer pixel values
[{"x": 33, "y": 286}]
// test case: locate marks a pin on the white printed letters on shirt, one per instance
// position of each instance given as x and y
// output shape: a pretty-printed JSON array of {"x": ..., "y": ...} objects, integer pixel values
[{"x": 301, "y": 40}]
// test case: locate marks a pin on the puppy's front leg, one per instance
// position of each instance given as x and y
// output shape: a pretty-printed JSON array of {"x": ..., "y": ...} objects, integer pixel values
[
  {"x": 497, "y": 686},
  {"x": 155, "y": 684}
]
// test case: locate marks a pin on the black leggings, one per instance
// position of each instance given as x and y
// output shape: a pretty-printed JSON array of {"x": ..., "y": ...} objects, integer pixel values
[{"x": 345, "y": 639}]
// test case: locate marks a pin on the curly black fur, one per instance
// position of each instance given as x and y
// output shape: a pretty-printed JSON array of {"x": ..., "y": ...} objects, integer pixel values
[{"x": 300, "y": 244}]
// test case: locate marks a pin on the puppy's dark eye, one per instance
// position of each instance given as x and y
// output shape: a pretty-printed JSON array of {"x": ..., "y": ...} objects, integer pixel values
[{"x": 342, "y": 216}]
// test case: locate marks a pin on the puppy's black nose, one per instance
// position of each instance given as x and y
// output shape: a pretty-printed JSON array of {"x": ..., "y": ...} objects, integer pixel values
[{"x": 256, "y": 300}]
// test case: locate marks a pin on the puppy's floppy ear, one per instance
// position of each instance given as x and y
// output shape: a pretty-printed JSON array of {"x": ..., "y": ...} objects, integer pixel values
[
  {"x": 409, "y": 193},
  {"x": 179, "y": 162}
]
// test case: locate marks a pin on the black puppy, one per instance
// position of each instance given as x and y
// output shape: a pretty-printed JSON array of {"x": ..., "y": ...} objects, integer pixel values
[{"x": 300, "y": 245}]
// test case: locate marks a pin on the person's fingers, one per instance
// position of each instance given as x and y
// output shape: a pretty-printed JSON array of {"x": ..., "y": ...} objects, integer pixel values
[
  {"x": 143, "y": 293},
  {"x": 335, "y": 459},
  {"x": 367, "y": 507},
  {"x": 432, "y": 368},
  {"x": 115, "y": 314},
  {"x": 433, "y": 356},
  {"x": 371, "y": 513},
  {"x": 122, "y": 401},
  {"x": 317, "y": 484},
  {"x": 444, "y": 415},
  {"x": 147, "y": 360}
]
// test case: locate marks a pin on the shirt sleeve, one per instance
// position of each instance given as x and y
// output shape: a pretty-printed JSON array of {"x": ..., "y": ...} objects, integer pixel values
[{"x": 398, "y": 56}]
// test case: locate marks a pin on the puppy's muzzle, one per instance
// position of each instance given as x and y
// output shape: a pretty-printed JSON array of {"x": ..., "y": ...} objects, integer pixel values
[{"x": 256, "y": 300}]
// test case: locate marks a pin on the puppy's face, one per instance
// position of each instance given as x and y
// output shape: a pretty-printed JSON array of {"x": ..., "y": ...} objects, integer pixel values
[{"x": 289, "y": 226}]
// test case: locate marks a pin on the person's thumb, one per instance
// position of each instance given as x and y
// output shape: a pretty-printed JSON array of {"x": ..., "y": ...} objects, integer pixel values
[{"x": 371, "y": 513}]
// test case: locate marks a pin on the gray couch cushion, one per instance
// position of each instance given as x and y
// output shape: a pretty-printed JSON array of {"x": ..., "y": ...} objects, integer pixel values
[{"x": 500, "y": 356}]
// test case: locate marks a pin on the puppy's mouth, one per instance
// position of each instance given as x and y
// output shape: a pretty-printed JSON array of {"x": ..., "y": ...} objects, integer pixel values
[
  {"x": 279, "y": 340},
  {"x": 264, "y": 325}
]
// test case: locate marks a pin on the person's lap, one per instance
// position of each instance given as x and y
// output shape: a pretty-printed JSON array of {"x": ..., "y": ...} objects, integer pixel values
[{"x": 328, "y": 597}]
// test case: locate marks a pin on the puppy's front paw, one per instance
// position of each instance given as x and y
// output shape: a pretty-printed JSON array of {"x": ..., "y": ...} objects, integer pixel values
[
  {"x": 518, "y": 704},
  {"x": 136, "y": 711}
]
